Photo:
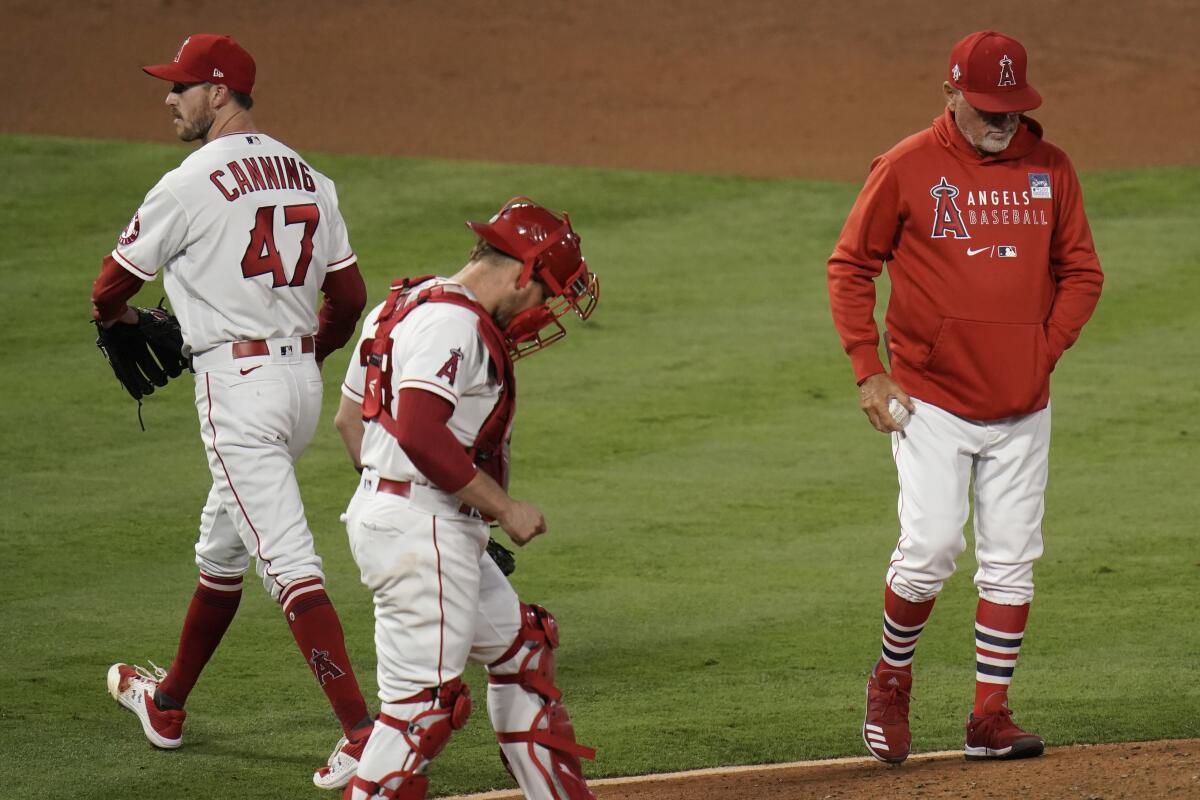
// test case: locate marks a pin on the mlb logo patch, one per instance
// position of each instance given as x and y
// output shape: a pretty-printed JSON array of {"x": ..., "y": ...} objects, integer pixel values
[
  {"x": 253, "y": 140},
  {"x": 1039, "y": 185},
  {"x": 1006, "y": 251}
]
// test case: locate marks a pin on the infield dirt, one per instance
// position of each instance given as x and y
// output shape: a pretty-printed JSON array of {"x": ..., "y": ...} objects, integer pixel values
[
  {"x": 762, "y": 87},
  {"x": 758, "y": 87}
]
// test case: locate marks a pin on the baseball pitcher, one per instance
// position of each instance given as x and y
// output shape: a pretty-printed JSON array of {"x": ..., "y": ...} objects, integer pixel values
[{"x": 245, "y": 233}]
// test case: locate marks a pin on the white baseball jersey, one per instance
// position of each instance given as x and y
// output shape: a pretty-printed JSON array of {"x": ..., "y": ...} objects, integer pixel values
[
  {"x": 437, "y": 348},
  {"x": 244, "y": 231}
]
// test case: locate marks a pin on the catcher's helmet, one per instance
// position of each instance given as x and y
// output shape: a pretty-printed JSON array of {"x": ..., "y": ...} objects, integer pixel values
[{"x": 548, "y": 249}]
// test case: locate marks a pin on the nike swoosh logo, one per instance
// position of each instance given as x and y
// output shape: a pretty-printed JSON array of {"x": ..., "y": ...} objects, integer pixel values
[
  {"x": 248, "y": 370},
  {"x": 974, "y": 251}
]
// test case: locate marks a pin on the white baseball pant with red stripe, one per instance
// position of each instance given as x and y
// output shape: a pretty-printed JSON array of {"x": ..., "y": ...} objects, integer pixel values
[
  {"x": 439, "y": 598},
  {"x": 257, "y": 414},
  {"x": 942, "y": 460}
]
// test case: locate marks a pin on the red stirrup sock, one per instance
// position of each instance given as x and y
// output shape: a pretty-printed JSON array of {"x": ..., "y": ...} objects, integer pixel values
[
  {"x": 903, "y": 621},
  {"x": 998, "y": 633},
  {"x": 213, "y": 606},
  {"x": 318, "y": 633}
]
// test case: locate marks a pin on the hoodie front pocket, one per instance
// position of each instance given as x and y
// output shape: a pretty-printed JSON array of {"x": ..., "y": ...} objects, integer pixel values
[{"x": 1001, "y": 366}]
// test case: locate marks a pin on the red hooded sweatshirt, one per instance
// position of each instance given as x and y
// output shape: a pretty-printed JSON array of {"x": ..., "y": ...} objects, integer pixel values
[{"x": 992, "y": 267}]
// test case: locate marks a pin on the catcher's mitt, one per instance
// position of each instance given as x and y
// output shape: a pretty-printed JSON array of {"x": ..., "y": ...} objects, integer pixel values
[
  {"x": 144, "y": 354},
  {"x": 502, "y": 556}
]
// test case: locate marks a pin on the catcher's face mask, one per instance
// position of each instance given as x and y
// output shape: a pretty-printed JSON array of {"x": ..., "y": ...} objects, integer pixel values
[{"x": 548, "y": 249}]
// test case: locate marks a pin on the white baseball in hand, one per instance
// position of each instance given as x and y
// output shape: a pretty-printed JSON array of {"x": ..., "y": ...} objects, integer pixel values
[{"x": 898, "y": 412}]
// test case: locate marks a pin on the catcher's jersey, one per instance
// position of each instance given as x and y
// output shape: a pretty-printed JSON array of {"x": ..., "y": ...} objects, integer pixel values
[
  {"x": 437, "y": 348},
  {"x": 244, "y": 231}
]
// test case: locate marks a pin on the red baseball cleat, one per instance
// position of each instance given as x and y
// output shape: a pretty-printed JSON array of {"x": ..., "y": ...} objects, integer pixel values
[
  {"x": 133, "y": 687},
  {"x": 993, "y": 734},
  {"x": 885, "y": 727}
]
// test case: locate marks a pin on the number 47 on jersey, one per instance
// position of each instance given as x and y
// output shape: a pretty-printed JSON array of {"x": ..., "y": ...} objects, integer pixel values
[{"x": 262, "y": 256}]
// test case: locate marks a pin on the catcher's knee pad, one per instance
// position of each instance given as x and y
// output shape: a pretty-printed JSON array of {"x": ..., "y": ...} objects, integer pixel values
[
  {"x": 537, "y": 740},
  {"x": 432, "y": 716}
]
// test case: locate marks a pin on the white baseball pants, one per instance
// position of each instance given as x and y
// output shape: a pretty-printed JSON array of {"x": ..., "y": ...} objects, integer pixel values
[
  {"x": 439, "y": 598},
  {"x": 940, "y": 458},
  {"x": 257, "y": 415}
]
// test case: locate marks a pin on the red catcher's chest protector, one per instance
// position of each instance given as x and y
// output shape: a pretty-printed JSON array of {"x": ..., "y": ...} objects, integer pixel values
[{"x": 490, "y": 449}]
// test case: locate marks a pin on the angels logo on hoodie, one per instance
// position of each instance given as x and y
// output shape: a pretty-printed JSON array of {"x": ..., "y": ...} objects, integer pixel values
[{"x": 947, "y": 218}]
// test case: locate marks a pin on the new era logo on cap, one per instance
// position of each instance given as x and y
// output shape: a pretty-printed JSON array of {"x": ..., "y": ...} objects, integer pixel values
[
  {"x": 989, "y": 68},
  {"x": 209, "y": 58}
]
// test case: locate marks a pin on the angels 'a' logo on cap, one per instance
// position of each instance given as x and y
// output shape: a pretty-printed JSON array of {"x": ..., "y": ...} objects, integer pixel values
[
  {"x": 956, "y": 72},
  {"x": 179, "y": 52},
  {"x": 1006, "y": 73}
]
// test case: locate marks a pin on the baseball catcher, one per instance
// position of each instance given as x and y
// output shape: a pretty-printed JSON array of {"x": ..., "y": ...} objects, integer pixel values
[{"x": 426, "y": 413}]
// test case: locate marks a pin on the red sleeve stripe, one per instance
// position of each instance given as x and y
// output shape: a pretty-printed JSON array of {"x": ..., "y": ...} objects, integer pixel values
[
  {"x": 350, "y": 392},
  {"x": 132, "y": 267},
  {"x": 342, "y": 263},
  {"x": 429, "y": 386}
]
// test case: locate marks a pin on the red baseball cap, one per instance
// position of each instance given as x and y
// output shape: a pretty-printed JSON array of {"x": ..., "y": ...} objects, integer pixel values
[
  {"x": 988, "y": 67},
  {"x": 208, "y": 58}
]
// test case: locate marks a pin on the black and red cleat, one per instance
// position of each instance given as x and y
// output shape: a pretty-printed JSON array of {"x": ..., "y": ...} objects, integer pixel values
[{"x": 993, "y": 734}]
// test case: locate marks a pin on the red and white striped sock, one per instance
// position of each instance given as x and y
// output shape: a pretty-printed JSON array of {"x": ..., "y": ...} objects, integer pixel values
[
  {"x": 998, "y": 633},
  {"x": 903, "y": 621},
  {"x": 213, "y": 606}
]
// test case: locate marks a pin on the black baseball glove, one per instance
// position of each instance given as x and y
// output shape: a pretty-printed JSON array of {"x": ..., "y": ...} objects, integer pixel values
[
  {"x": 502, "y": 556},
  {"x": 144, "y": 354}
]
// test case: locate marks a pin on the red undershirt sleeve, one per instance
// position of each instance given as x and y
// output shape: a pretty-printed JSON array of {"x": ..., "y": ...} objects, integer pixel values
[
  {"x": 345, "y": 298},
  {"x": 112, "y": 290},
  {"x": 421, "y": 418}
]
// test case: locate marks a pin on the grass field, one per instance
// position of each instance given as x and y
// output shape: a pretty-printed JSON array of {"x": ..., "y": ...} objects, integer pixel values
[{"x": 721, "y": 512}]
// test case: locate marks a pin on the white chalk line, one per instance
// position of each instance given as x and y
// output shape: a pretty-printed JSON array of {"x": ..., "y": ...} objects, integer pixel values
[{"x": 514, "y": 794}]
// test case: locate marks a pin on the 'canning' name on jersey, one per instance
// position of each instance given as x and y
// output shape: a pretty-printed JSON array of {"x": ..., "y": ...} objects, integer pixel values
[{"x": 258, "y": 173}]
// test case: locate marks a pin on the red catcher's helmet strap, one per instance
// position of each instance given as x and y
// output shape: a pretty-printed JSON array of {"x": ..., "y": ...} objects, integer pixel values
[{"x": 489, "y": 450}]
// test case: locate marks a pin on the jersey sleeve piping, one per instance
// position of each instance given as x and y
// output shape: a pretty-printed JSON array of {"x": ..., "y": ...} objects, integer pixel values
[
  {"x": 132, "y": 267},
  {"x": 342, "y": 263},
  {"x": 352, "y": 393}
]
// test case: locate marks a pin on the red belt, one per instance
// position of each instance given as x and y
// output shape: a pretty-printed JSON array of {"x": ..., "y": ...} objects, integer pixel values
[
  {"x": 260, "y": 347},
  {"x": 404, "y": 489}
]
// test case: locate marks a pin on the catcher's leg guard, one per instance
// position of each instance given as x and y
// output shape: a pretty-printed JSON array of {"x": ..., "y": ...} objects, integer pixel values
[
  {"x": 432, "y": 716},
  {"x": 537, "y": 740}
]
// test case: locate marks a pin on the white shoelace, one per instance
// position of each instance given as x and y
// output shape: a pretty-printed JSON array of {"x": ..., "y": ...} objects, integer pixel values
[{"x": 156, "y": 676}]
